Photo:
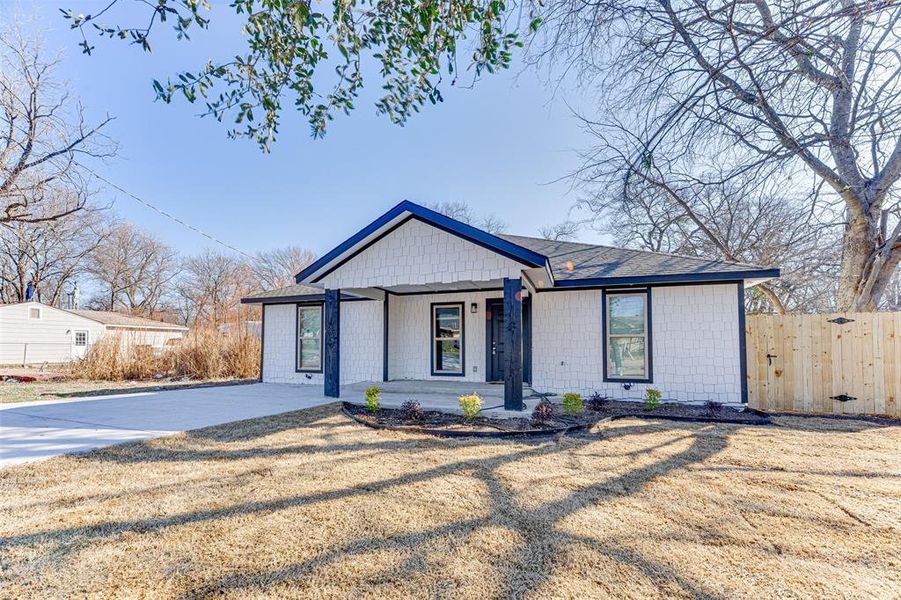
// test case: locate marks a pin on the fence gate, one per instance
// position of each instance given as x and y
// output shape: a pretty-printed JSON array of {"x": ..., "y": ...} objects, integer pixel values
[{"x": 837, "y": 363}]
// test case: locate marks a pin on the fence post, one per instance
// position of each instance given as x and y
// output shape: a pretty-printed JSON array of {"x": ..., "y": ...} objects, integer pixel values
[{"x": 24, "y": 354}]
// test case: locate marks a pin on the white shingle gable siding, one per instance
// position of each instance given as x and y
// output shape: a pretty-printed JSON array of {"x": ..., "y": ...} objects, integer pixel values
[
  {"x": 417, "y": 253},
  {"x": 361, "y": 344},
  {"x": 695, "y": 341}
]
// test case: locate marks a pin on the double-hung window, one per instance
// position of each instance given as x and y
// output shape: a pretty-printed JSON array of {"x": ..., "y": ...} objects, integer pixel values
[
  {"x": 309, "y": 338},
  {"x": 447, "y": 339},
  {"x": 627, "y": 336}
]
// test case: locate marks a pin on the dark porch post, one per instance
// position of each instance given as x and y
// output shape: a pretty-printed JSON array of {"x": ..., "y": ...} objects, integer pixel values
[
  {"x": 332, "y": 348},
  {"x": 513, "y": 344}
]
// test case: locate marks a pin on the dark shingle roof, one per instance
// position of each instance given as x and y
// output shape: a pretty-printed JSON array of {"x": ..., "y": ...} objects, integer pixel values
[{"x": 572, "y": 261}]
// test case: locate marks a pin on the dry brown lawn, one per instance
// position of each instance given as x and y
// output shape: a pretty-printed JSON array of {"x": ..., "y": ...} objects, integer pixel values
[
  {"x": 308, "y": 504},
  {"x": 73, "y": 388}
]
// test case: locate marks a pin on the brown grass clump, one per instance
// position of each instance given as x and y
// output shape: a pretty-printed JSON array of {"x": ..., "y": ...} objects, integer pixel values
[
  {"x": 309, "y": 504},
  {"x": 203, "y": 354}
]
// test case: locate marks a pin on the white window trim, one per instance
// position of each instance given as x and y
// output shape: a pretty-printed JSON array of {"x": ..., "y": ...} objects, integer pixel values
[{"x": 87, "y": 337}]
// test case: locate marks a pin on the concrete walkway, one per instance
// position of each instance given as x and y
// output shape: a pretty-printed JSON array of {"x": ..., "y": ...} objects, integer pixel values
[{"x": 35, "y": 430}]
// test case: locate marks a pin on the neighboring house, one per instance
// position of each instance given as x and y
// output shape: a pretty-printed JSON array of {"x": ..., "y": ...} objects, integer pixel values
[
  {"x": 418, "y": 295},
  {"x": 249, "y": 328},
  {"x": 32, "y": 332}
]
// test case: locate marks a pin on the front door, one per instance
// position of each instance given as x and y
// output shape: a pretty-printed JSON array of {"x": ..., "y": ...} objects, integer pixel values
[
  {"x": 494, "y": 334},
  {"x": 80, "y": 343},
  {"x": 495, "y": 348}
]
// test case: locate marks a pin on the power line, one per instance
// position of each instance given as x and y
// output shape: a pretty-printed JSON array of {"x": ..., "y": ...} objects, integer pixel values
[{"x": 172, "y": 217}]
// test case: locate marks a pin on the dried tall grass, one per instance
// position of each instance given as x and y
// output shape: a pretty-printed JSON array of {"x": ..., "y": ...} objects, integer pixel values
[{"x": 203, "y": 354}]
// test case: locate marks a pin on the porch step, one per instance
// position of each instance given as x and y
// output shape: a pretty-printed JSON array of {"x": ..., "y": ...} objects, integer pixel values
[{"x": 431, "y": 387}]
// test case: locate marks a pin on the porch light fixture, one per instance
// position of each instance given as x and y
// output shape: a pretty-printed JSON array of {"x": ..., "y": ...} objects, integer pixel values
[{"x": 474, "y": 307}]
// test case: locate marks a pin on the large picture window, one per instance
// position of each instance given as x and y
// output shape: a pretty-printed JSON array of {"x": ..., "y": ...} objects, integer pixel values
[
  {"x": 447, "y": 339},
  {"x": 627, "y": 336},
  {"x": 309, "y": 338}
]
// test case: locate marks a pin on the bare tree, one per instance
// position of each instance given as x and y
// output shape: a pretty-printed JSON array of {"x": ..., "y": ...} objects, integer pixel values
[
  {"x": 733, "y": 223},
  {"x": 805, "y": 91},
  {"x": 463, "y": 212},
  {"x": 45, "y": 139},
  {"x": 52, "y": 254},
  {"x": 561, "y": 232},
  {"x": 277, "y": 268},
  {"x": 211, "y": 287},
  {"x": 134, "y": 271}
]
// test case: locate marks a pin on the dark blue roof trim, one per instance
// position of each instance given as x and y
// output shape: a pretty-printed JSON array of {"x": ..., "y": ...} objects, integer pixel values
[
  {"x": 467, "y": 232},
  {"x": 653, "y": 279},
  {"x": 298, "y": 298}
]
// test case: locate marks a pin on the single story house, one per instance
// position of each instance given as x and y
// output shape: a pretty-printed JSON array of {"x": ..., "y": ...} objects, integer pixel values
[
  {"x": 417, "y": 295},
  {"x": 34, "y": 333}
]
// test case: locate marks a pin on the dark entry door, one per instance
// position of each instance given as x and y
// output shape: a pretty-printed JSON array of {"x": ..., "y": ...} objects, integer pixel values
[{"x": 495, "y": 340}]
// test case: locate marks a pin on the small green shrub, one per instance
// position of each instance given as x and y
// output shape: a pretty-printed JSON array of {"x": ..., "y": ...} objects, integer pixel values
[
  {"x": 471, "y": 406},
  {"x": 651, "y": 399},
  {"x": 372, "y": 398},
  {"x": 572, "y": 403}
]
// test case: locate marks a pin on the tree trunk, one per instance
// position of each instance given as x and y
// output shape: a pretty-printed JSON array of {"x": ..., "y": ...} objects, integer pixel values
[
  {"x": 868, "y": 262},
  {"x": 773, "y": 297}
]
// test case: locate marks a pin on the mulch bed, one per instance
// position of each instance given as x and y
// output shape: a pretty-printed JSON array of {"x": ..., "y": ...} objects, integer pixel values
[
  {"x": 453, "y": 425},
  {"x": 683, "y": 412}
]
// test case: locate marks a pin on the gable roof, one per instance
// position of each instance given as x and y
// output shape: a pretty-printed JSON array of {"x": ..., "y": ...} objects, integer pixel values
[
  {"x": 115, "y": 319},
  {"x": 397, "y": 216},
  {"x": 577, "y": 264},
  {"x": 570, "y": 264}
]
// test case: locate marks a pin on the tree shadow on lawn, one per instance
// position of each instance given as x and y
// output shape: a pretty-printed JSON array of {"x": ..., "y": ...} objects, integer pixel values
[
  {"x": 525, "y": 568},
  {"x": 530, "y": 565}
]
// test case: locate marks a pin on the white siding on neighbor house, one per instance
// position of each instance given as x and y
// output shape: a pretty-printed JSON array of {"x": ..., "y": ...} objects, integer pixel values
[
  {"x": 48, "y": 339},
  {"x": 158, "y": 339},
  {"x": 361, "y": 344},
  {"x": 417, "y": 253},
  {"x": 410, "y": 335},
  {"x": 695, "y": 344}
]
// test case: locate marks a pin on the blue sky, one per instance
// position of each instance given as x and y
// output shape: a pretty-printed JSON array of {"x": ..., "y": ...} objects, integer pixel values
[{"x": 496, "y": 147}]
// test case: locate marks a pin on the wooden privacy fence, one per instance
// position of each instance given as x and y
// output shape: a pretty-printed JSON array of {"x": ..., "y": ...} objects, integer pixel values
[{"x": 842, "y": 363}]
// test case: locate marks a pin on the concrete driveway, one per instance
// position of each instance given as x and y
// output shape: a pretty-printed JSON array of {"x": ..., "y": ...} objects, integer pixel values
[{"x": 34, "y": 430}]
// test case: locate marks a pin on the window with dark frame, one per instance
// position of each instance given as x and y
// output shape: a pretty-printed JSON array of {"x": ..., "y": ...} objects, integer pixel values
[
  {"x": 447, "y": 339},
  {"x": 627, "y": 340},
  {"x": 309, "y": 338}
]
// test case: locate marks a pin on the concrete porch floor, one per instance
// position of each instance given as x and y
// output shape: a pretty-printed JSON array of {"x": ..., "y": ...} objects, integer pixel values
[{"x": 442, "y": 395}]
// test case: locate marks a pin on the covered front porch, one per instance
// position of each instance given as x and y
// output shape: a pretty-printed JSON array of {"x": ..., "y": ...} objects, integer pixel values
[
  {"x": 441, "y": 395},
  {"x": 439, "y": 343},
  {"x": 453, "y": 301}
]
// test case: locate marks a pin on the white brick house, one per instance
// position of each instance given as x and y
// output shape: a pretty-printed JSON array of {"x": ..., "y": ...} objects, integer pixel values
[{"x": 416, "y": 295}]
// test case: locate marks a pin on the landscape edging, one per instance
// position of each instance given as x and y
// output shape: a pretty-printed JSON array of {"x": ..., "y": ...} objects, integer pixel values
[{"x": 539, "y": 432}]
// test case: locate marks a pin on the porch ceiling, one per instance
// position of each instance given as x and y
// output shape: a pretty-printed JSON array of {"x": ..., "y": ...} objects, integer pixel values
[{"x": 456, "y": 286}]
